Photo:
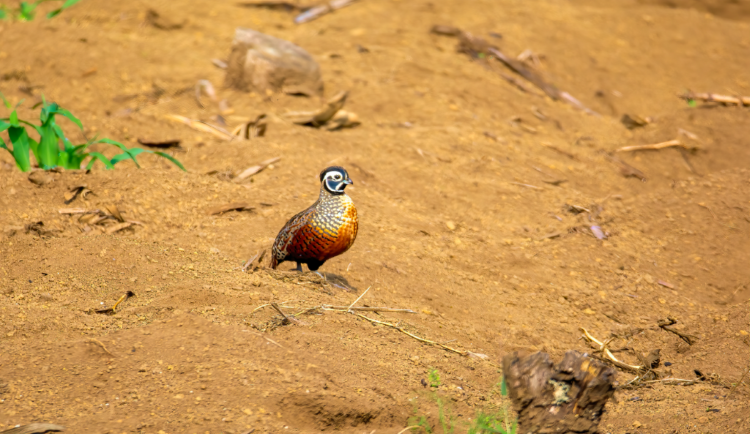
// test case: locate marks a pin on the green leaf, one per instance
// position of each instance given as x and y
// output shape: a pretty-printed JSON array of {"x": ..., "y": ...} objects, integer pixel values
[
  {"x": 504, "y": 387},
  {"x": 3, "y": 146},
  {"x": 48, "y": 148},
  {"x": 3, "y": 125},
  {"x": 34, "y": 148},
  {"x": 5, "y": 101},
  {"x": 3, "y": 14},
  {"x": 26, "y": 11},
  {"x": 67, "y": 4},
  {"x": 61, "y": 111},
  {"x": 170, "y": 158},
  {"x": 61, "y": 136},
  {"x": 97, "y": 156},
  {"x": 124, "y": 149},
  {"x": 14, "y": 119},
  {"x": 20, "y": 140}
]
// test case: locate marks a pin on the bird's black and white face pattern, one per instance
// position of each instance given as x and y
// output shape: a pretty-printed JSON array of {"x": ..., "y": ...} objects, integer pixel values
[{"x": 335, "y": 179}]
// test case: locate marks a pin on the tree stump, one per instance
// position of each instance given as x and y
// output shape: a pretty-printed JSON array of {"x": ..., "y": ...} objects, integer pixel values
[
  {"x": 261, "y": 62},
  {"x": 566, "y": 398}
]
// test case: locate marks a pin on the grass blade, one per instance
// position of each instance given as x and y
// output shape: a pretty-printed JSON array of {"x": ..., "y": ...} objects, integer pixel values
[
  {"x": 20, "y": 140},
  {"x": 170, "y": 158},
  {"x": 67, "y": 4},
  {"x": 5, "y": 101},
  {"x": 61, "y": 111},
  {"x": 97, "y": 156},
  {"x": 61, "y": 136},
  {"x": 125, "y": 150}
]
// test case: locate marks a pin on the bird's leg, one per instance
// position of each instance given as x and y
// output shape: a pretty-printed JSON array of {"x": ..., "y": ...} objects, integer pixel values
[{"x": 299, "y": 267}]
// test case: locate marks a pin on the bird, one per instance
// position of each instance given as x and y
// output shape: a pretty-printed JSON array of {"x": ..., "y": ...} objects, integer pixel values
[{"x": 326, "y": 229}]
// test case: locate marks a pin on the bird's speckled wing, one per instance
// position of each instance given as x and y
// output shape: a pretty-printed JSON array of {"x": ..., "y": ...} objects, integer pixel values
[{"x": 288, "y": 234}]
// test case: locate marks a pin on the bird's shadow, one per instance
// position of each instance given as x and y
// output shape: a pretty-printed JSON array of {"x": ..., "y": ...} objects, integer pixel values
[{"x": 339, "y": 282}]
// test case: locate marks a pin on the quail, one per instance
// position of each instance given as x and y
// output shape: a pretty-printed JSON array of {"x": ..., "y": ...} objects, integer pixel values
[{"x": 324, "y": 230}]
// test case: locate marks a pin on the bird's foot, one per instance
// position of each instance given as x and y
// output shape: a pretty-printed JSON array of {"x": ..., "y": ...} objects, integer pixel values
[{"x": 299, "y": 267}]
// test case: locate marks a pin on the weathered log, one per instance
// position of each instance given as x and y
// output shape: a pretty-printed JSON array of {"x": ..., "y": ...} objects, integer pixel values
[{"x": 564, "y": 398}]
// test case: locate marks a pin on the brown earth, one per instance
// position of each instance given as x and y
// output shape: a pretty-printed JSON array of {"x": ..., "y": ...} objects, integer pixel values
[{"x": 447, "y": 226}]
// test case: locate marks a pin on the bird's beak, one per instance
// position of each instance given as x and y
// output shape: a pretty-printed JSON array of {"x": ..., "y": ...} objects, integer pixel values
[{"x": 348, "y": 182}]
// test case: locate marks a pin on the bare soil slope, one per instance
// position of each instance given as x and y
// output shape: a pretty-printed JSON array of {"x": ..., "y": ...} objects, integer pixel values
[{"x": 469, "y": 192}]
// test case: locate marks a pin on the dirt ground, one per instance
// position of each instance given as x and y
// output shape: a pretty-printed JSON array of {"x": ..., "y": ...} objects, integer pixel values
[{"x": 469, "y": 192}]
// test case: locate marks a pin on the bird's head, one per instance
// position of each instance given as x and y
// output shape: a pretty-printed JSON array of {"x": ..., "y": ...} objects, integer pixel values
[{"x": 335, "y": 179}]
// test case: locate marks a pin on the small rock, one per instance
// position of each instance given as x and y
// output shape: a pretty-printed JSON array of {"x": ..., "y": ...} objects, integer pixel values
[
  {"x": 260, "y": 62},
  {"x": 703, "y": 419},
  {"x": 179, "y": 396},
  {"x": 450, "y": 225},
  {"x": 637, "y": 424},
  {"x": 588, "y": 311}
]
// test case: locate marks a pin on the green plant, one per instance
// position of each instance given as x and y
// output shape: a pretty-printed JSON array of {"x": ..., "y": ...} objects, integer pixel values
[
  {"x": 445, "y": 418},
  {"x": 47, "y": 151},
  {"x": 497, "y": 421},
  {"x": 27, "y": 10}
]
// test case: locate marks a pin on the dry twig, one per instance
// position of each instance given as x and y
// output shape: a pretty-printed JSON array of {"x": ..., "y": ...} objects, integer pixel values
[
  {"x": 665, "y": 325},
  {"x": 662, "y": 145},
  {"x": 607, "y": 353},
  {"x": 100, "y": 344},
  {"x": 712, "y": 97}
]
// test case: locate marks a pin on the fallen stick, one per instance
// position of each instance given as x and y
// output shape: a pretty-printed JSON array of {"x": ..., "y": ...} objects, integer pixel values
[
  {"x": 34, "y": 428},
  {"x": 366, "y": 309},
  {"x": 665, "y": 324},
  {"x": 201, "y": 126},
  {"x": 662, "y": 145},
  {"x": 712, "y": 97},
  {"x": 358, "y": 298},
  {"x": 70, "y": 211},
  {"x": 608, "y": 354},
  {"x": 474, "y": 46},
  {"x": 319, "y": 11},
  {"x": 253, "y": 170}
]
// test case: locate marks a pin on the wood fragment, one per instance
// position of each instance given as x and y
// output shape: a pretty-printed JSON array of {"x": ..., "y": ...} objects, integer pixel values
[
  {"x": 527, "y": 185},
  {"x": 118, "y": 227},
  {"x": 666, "y": 324},
  {"x": 201, "y": 126},
  {"x": 366, "y": 309},
  {"x": 319, "y": 117},
  {"x": 713, "y": 97},
  {"x": 251, "y": 129},
  {"x": 114, "y": 212},
  {"x": 71, "y": 211},
  {"x": 164, "y": 144},
  {"x": 656, "y": 146},
  {"x": 569, "y": 397},
  {"x": 358, "y": 298},
  {"x": 253, "y": 170},
  {"x": 235, "y": 206},
  {"x": 73, "y": 193},
  {"x": 34, "y": 428},
  {"x": 318, "y": 11},
  {"x": 607, "y": 353}
]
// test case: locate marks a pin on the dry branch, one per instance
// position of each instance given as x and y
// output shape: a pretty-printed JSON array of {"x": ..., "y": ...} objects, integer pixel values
[
  {"x": 662, "y": 145},
  {"x": 712, "y": 97},
  {"x": 665, "y": 325},
  {"x": 602, "y": 346},
  {"x": 201, "y": 126},
  {"x": 34, "y": 428}
]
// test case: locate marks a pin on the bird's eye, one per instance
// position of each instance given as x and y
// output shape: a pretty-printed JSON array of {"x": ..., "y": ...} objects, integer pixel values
[{"x": 337, "y": 177}]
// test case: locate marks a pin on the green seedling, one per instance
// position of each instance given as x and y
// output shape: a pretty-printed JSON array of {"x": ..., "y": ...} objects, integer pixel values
[
  {"x": 27, "y": 10},
  {"x": 47, "y": 150}
]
